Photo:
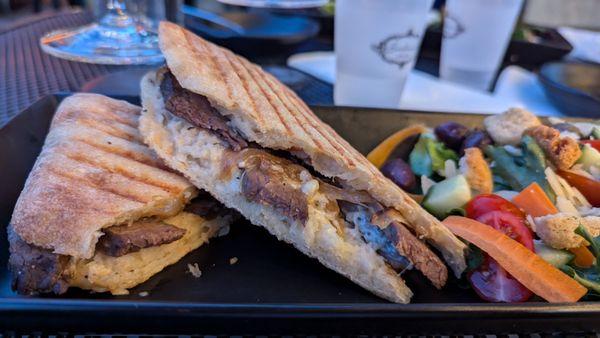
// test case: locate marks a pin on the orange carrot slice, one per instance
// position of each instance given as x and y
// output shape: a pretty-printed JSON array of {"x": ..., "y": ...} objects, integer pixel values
[
  {"x": 583, "y": 257},
  {"x": 534, "y": 201},
  {"x": 380, "y": 154},
  {"x": 528, "y": 268}
]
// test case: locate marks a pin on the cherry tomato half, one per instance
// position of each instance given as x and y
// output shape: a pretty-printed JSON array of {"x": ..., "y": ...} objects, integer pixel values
[
  {"x": 484, "y": 203},
  {"x": 493, "y": 284},
  {"x": 588, "y": 187},
  {"x": 594, "y": 143},
  {"x": 509, "y": 224}
]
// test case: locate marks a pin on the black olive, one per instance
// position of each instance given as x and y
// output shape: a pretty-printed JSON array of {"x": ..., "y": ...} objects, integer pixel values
[
  {"x": 476, "y": 139},
  {"x": 400, "y": 173},
  {"x": 452, "y": 134}
]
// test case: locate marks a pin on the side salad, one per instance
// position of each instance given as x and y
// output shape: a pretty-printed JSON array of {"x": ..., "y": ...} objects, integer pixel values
[{"x": 534, "y": 187}]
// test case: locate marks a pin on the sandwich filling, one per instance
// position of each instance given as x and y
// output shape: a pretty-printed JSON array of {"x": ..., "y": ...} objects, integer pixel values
[
  {"x": 143, "y": 244},
  {"x": 285, "y": 181}
]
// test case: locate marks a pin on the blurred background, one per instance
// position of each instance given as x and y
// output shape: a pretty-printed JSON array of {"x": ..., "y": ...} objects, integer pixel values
[{"x": 467, "y": 56}]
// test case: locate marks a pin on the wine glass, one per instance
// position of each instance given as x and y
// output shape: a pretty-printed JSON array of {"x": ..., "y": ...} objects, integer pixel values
[{"x": 118, "y": 38}]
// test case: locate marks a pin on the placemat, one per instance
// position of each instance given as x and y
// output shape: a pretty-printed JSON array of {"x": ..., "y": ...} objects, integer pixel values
[{"x": 27, "y": 73}]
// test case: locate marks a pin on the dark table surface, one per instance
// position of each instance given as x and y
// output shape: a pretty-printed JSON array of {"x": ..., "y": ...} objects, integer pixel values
[{"x": 27, "y": 73}]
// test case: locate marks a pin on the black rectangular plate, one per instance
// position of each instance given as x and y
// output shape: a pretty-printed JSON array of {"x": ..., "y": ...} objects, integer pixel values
[{"x": 272, "y": 289}]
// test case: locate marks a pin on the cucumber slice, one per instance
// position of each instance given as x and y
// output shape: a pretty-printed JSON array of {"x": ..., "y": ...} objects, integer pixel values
[
  {"x": 556, "y": 257},
  {"x": 447, "y": 195},
  {"x": 596, "y": 133},
  {"x": 589, "y": 157}
]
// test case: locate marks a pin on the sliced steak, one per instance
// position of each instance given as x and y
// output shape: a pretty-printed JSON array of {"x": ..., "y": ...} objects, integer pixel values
[
  {"x": 196, "y": 109},
  {"x": 36, "y": 270},
  {"x": 410, "y": 246},
  {"x": 274, "y": 181},
  {"x": 205, "y": 205},
  {"x": 360, "y": 216},
  {"x": 385, "y": 231},
  {"x": 123, "y": 239}
]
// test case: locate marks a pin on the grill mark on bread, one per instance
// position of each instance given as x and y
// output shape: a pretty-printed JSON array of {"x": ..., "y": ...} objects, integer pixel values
[
  {"x": 244, "y": 84},
  {"x": 106, "y": 127},
  {"x": 94, "y": 208},
  {"x": 96, "y": 184},
  {"x": 117, "y": 168},
  {"x": 120, "y": 119},
  {"x": 340, "y": 141},
  {"x": 219, "y": 62},
  {"x": 221, "y": 77},
  {"x": 136, "y": 156},
  {"x": 248, "y": 68},
  {"x": 310, "y": 118},
  {"x": 335, "y": 143},
  {"x": 285, "y": 103},
  {"x": 107, "y": 114}
]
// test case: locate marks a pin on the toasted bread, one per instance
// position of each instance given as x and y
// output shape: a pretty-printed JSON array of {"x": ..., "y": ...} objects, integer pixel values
[
  {"x": 94, "y": 172},
  {"x": 267, "y": 112}
]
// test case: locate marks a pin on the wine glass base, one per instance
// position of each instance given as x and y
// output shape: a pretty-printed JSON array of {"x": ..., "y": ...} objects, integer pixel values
[{"x": 97, "y": 43}]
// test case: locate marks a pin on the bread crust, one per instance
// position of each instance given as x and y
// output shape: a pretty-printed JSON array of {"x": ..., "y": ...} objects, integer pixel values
[
  {"x": 267, "y": 112},
  {"x": 93, "y": 172}
]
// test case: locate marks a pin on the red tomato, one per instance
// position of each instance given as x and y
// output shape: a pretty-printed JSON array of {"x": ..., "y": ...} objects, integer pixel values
[
  {"x": 493, "y": 284},
  {"x": 490, "y": 280},
  {"x": 588, "y": 187},
  {"x": 594, "y": 143},
  {"x": 509, "y": 224},
  {"x": 485, "y": 203}
]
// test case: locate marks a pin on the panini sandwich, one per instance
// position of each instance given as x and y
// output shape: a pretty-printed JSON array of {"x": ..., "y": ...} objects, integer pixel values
[
  {"x": 99, "y": 210},
  {"x": 238, "y": 133}
]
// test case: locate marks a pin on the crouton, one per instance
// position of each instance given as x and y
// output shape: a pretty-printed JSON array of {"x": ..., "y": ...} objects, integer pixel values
[
  {"x": 476, "y": 170},
  {"x": 508, "y": 127},
  {"x": 563, "y": 152},
  {"x": 558, "y": 230}
]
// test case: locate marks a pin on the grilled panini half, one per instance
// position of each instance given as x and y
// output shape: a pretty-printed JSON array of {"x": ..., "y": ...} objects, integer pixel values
[
  {"x": 99, "y": 209},
  {"x": 237, "y": 132}
]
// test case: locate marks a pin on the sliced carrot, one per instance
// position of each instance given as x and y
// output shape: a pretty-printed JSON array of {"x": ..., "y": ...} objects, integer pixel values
[
  {"x": 380, "y": 154},
  {"x": 583, "y": 257},
  {"x": 534, "y": 201},
  {"x": 528, "y": 268}
]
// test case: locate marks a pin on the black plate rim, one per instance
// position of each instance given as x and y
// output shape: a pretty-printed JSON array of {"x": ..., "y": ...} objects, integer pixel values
[
  {"x": 20, "y": 310},
  {"x": 36, "y": 303}
]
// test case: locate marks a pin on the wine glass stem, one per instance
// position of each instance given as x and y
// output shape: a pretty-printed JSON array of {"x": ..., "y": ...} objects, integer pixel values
[
  {"x": 117, "y": 6},
  {"x": 117, "y": 15}
]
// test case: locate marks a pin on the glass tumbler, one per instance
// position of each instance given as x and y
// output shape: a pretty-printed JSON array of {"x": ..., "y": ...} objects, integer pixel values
[
  {"x": 476, "y": 34},
  {"x": 376, "y": 43}
]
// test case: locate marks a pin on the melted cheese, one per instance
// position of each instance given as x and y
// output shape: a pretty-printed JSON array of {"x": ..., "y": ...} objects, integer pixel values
[{"x": 117, "y": 274}]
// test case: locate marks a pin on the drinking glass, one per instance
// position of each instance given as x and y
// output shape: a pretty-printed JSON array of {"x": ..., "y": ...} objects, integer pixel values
[
  {"x": 124, "y": 35},
  {"x": 476, "y": 34},
  {"x": 376, "y": 43}
]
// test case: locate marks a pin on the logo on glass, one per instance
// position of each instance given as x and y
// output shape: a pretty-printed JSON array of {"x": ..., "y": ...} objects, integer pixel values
[
  {"x": 398, "y": 49},
  {"x": 452, "y": 27}
]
